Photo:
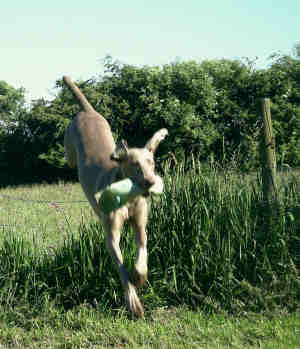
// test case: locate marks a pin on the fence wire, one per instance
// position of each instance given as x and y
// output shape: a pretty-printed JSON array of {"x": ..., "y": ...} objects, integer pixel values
[{"x": 42, "y": 201}]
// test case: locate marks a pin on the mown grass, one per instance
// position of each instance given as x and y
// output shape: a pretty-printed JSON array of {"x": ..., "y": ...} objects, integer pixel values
[
  {"x": 43, "y": 212},
  {"x": 209, "y": 251},
  {"x": 87, "y": 327}
]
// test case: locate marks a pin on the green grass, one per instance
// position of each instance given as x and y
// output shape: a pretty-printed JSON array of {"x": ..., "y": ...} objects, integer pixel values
[
  {"x": 44, "y": 212},
  {"x": 87, "y": 327},
  {"x": 217, "y": 266}
]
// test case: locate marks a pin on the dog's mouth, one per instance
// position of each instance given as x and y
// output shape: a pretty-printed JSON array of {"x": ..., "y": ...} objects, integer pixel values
[
  {"x": 146, "y": 194},
  {"x": 147, "y": 188},
  {"x": 157, "y": 187}
]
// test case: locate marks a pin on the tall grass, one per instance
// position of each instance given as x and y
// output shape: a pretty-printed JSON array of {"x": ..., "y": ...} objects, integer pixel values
[
  {"x": 209, "y": 243},
  {"x": 208, "y": 247}
]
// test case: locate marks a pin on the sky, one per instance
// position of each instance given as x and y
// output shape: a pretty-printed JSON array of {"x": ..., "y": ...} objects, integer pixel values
[{"x": 40, "y": 41}]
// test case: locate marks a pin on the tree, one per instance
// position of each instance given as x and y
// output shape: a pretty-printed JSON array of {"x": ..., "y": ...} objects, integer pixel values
[
  {"x": 12, "y": 107},
  {"x": 179, "y": 96},
  {"x": 11, "y": 101},
  {"x": 286, "y": 106},
  {"x": 209, "y": 108}
]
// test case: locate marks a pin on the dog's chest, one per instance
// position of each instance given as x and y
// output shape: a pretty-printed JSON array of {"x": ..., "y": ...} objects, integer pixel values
[{"x": 132, "y": 208}]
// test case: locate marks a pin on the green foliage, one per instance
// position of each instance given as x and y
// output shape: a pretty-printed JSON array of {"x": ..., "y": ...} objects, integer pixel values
[
  {"x": 36, "y": 136},
  {"x": 11, "y": 100},
  {"x": 47, "y": 126},
  {"x": 11, "y": 111},
  {"x": 286, "y": 108},
  {"x": 211, "y": 110},
  {"x": 178, "y": 96},
  {"x": 236, "y": 115}
]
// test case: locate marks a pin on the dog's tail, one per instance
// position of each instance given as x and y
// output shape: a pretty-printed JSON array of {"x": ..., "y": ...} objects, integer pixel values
[{"x": 78, "y": 94}]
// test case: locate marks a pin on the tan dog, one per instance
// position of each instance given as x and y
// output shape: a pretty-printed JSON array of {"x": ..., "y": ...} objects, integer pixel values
[{"x": 89, "y": 144}]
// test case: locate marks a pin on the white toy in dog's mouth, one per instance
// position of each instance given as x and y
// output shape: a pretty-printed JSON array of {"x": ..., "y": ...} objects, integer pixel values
[{"x": 117, "y": 194}]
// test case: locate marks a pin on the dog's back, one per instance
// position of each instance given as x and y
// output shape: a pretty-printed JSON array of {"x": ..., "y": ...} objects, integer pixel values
[{"x": 89, "y": 144}]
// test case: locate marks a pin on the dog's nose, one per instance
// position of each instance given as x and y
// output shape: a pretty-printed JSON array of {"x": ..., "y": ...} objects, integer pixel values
[{"x": 149, "y": 181}]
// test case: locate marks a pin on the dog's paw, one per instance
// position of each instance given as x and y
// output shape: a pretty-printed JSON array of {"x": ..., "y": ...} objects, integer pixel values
[
  {"x": 138, "y": 279},
  {"x": 133, "y": 303}
]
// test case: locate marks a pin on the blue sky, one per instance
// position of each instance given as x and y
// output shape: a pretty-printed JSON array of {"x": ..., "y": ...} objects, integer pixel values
[{"x": 42, "y": 40}]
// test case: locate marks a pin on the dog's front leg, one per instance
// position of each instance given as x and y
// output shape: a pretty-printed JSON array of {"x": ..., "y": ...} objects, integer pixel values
[
  {"x": 113, "y": 225},
  {"x": 139, "y": 224}
]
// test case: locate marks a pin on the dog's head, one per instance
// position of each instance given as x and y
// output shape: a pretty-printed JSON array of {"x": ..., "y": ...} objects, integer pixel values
[{"x": 138, "y": 163}]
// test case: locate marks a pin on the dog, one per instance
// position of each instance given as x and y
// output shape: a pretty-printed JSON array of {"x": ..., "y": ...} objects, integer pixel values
[{"x": 90, "y": 146}]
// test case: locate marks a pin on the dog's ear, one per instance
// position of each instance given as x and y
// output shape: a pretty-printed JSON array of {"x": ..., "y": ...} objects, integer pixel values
[
  {"x": 121, "y": 151},
  {"x": 158, "y": 136}
]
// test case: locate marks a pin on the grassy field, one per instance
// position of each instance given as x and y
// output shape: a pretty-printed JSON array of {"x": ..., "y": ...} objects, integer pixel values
[
  {"x": 44, "y": 212},
  {"x": 87, "y": 327},
  {"x": 219, "y": 276}
]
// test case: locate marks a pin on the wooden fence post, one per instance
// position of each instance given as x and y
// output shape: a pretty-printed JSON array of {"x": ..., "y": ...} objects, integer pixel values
[
  {"x": 268, "y": 155},
  {"x": 268, "y": 159}
]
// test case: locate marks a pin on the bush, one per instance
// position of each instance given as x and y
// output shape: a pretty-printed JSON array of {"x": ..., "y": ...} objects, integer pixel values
[{"x": 210, "y": 109}]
